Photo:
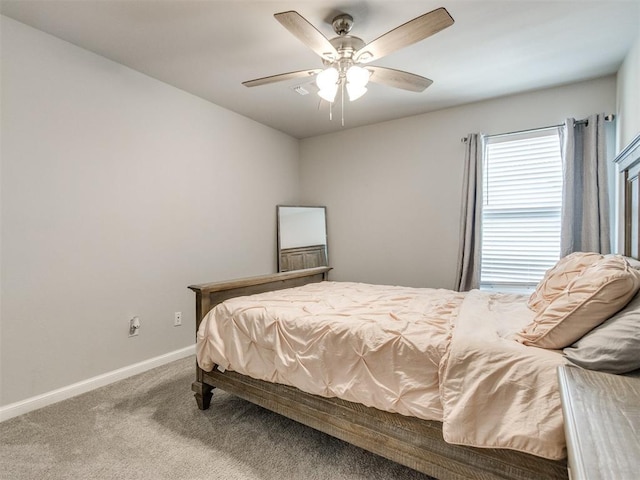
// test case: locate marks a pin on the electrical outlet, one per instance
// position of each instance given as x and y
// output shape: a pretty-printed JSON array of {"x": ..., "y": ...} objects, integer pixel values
[
  {"x": 177, "y": 319},
  {"x": 134, "y": 326}
]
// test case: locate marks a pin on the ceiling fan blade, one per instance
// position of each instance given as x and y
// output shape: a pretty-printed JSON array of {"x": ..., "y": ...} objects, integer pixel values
[
  {"x": 398, "y": 79},
  {"x": 281, "y": 77},
  {"x": 407, "y": 34},
  {"x": 307, "y": 34}
]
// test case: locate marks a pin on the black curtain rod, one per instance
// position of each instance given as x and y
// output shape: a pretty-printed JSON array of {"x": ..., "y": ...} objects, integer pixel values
[{"x": 607, "y": 118}]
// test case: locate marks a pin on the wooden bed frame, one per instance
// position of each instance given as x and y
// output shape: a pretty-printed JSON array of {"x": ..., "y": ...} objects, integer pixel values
[
  {"x": 416, "y": 443},
  {"x": 412, "y": 442}
]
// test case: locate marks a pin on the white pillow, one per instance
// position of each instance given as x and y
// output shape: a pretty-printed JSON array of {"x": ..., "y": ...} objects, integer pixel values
[
  {"x": 557, "y": 278},
  {"x": 589, "y": 299}
]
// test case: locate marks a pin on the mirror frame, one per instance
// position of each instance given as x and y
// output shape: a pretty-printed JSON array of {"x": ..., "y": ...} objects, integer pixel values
[{"x": 279, "y": 233}]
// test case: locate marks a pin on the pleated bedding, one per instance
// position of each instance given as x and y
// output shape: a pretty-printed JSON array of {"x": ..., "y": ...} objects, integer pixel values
[{"x": 429, "y": 353}]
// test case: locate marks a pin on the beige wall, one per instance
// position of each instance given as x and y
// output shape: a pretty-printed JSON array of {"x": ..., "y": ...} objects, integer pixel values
[
  {"x": 393, "y": 189},
  {"x": 119, "y": 191},
  {"x": 628, "y": 108}
]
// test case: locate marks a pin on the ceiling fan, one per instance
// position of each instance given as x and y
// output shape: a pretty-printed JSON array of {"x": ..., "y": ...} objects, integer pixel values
[{"x": 344, "y": 55}]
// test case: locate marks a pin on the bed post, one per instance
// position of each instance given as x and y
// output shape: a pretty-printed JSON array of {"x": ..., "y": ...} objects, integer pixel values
[
  {"x": 203, "y": 392},
  {"x": 210, "y": 294}
]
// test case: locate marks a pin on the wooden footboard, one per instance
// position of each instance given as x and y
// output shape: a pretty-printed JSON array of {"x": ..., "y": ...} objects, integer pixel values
[
  {"x": 412, "y": 442},
  {"x": 208, "y": 295}
]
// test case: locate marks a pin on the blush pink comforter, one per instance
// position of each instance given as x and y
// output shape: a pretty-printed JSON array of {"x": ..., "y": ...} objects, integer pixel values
[{"x": 429, "y": 353}]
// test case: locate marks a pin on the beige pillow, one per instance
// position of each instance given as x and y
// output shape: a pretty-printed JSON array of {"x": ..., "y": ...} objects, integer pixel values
[
  {"x": 557, "y": 278},
  {"x": 589, "y": 299}
]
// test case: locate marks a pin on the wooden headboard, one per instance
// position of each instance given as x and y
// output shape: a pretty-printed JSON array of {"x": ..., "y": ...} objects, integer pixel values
[{"x": 628, "y": 162}]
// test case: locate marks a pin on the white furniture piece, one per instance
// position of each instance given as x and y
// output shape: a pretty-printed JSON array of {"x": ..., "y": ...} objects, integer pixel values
[{"x": 602, "y": 424}]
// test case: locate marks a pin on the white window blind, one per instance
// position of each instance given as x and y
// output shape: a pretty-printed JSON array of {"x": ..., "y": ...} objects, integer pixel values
[{"x": 522, "y": 189}]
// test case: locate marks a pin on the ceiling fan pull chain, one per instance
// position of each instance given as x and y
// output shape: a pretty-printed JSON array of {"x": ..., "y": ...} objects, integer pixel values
[{"x": 342, "y": 100}]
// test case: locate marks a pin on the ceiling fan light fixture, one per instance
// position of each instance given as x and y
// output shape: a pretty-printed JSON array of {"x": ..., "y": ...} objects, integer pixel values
[
  {"x": 327, "y": 79},
  {"x": 358, "y": 75},
  {"x": 357, "y": 79},
  {"x": 328, "y": 94},
  {"x": 355, "y": 92},
  {"x": 327, "y": 82}
]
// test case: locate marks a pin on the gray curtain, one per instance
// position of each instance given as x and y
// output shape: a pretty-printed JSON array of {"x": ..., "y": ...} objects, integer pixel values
[
  {"x": 585, "y": 202},
  {"x": 468, "y": 273}
]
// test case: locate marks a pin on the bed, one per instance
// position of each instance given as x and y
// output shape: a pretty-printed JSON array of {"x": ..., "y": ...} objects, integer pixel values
[{"x": 397, "y": 433}]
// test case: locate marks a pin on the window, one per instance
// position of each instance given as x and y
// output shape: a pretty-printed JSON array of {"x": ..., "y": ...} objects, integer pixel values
[{"x": 522, "y": 190}]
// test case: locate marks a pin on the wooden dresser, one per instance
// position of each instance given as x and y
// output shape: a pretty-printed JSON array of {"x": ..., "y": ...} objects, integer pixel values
[{"x": 602, "y": 424}]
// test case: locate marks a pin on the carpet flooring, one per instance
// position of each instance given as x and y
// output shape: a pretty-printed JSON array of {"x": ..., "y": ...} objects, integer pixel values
[{"x": 148, "y": 427}]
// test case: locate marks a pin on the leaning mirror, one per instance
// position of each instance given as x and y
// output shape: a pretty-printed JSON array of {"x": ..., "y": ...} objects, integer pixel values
[{"x": 302, "y": 237}]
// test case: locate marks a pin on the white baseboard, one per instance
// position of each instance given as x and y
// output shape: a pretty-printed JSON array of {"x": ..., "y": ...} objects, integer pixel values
[{"x": 39, "y": 401}]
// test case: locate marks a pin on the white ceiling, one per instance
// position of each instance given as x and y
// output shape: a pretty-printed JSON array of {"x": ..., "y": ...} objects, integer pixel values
[{"x": 209, "y": 47}]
